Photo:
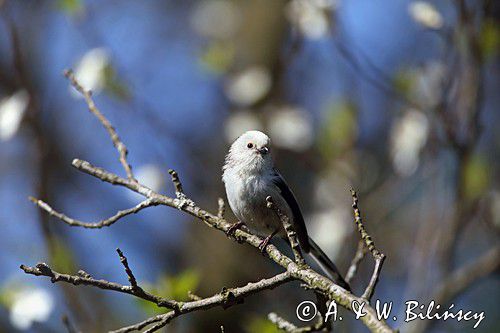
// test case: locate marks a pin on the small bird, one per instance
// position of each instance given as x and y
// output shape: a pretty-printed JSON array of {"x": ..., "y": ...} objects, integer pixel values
[{"x": 250, "y": 177}]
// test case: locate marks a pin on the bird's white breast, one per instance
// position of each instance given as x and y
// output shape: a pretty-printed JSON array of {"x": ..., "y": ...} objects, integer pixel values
[{"x": 247, "y": 198}]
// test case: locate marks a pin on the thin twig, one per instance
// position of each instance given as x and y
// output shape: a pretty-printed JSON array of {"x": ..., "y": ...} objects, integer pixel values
[
  {"x": 83, "y": 274},
  {"x": 176, "y": 181},
  {"x": 87, "y": 95},
  {"x": 356, "y": 260},
  {"x": 290, "y": 232},
  {"x": 161, "y": 324},
  {"x": 93, "y": 225},
  {"x": 284, "y": 325},
  {"x": 181, "y": 198},
  {"x": 139, "y": 326},
  {"x": 370, "y": 245},
  {"x": 192, "y": 296},
  {"x": 281, "y": 323},
  {"x": 128, "y": 271}
]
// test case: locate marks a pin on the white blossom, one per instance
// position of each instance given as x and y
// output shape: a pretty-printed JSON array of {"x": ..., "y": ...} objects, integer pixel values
[
  {"x": 248, "y": 86},
  {"x": 150, "y": 175},
  {"x": 310, "y": 17},
  {"x": 215, "y": 19},
  {"x": 429, "y": 84},
  {"x": 426, "y": 14},
  {"x": 408, "y": 136},
  {"x": 12, "y": 110},
  {"x": 329, "y": 229},
  {"x": 238, "y": 123},
  {"x": 90, "y": 70},
  {"x": 30, "y": 306},
  {"x": 291, "y": 128}
]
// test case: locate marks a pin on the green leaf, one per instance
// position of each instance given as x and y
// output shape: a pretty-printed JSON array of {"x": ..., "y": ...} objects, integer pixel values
[
  {"x": 261, "y": 325},
  {"x": 489, "y": 38},
  {"x": 475, "y": 177},
  {"x": 71, "y": 7},
  {"x": 177, "y": 287},
  {"x": 171, "y": 287},
  {"x": 339, "y": 130},
  {"x": 150, "y": 309},
  {"x": 218, "y": 57},
  {"x": 113, "y": 85},
  {"x": 404, "y": 81},
  {"x": 62, "y": 258},
  {"x": 8, "y": 293}
]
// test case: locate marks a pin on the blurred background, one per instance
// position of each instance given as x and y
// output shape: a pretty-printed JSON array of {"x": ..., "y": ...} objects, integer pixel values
[{"x": 399, "y": 100}]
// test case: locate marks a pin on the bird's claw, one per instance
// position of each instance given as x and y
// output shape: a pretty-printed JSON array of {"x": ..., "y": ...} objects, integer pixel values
[
  {"x": 264, "y": 242},
  {"x": 230, "y": 232}
]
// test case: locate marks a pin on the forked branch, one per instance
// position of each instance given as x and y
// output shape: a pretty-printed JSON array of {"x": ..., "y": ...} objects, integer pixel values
[
  {"x": 119, "y": 145},
  {"x": 93, "y": 225},
  {"x": 370, "y": 245},
  {"x": 290, "y": 232}
]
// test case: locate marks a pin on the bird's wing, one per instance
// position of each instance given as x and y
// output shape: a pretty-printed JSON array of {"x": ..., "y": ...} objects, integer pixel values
[{"x": 297, "y": 218}]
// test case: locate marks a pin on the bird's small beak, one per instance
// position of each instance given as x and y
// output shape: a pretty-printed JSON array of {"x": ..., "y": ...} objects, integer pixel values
[{"x": 263, "y": 150}]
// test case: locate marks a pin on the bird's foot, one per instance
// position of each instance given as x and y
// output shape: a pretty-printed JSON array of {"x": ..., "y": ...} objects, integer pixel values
[
  {"x": 265, "y": 241},
  {"x": 230, "y": 232}
]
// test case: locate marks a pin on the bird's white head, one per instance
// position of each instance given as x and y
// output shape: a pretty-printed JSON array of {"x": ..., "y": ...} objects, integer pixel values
[{"x": 250, "y": 153}]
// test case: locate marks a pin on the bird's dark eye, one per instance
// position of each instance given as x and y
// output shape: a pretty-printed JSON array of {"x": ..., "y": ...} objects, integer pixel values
[{"x": 250, "y": 145}]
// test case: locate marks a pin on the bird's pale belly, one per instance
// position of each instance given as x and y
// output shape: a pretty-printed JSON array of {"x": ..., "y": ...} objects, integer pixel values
[
  {"x": 248, "y": 203},
  {"x": 259, "y": 219}
]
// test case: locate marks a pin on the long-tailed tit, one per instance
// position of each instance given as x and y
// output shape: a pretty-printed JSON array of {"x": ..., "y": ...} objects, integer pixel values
[{"x": 250, "y": 177}]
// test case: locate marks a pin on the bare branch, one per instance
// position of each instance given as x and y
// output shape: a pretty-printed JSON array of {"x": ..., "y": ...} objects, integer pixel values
[
  {"x": 370, "y": 289},
  {"x": 139, "y": 326},
  {"x": 290, "y": 232},
  {"x": 84, "y": 274},
  {"x": 93, "y": 225},
  {"x": 158, "y": 326},
  {"x": 226, "y": 298},
  {"x": 192, "y": 296},
  {"x": 182, "y": 200},
  {"x": 87, "y": 95},
  {"x": 281, "y": 323},
  {"x": 177, "y": 182},
  {"x": 287, "y": 326},
  {"x": 356, "y": 260},
  {"x": 42, "y": 269},
  {"x": 305, "y": 274},
  {"x": 377, "y": 255},
  {"x": 124, "y": 261},
  {"x": 295, "y": 270}
]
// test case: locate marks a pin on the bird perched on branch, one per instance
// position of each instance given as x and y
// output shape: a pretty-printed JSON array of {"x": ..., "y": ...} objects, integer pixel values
[{"x": 250, "y": 177}]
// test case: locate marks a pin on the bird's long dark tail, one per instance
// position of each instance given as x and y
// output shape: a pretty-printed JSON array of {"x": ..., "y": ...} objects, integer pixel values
[{"x": 327, "y": 265}]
